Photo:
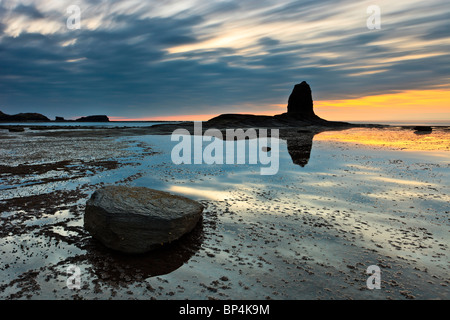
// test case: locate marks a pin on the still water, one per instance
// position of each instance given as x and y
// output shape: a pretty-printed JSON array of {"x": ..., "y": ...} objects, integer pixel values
[{"x": 339, "y": 203}]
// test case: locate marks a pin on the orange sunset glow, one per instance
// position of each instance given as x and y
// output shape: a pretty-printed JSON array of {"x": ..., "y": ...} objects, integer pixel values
[
  {"x": 193, "y": 60},
  {"x": 225, "y": 150},
  {"x": 406, "y": 105}
]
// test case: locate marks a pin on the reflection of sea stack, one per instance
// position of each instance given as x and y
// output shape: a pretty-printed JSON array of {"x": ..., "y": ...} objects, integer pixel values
[{"x": 299, "y": 148}]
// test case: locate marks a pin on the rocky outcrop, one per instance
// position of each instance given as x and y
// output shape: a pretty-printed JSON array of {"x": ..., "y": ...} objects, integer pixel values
[
  {"x": 230, "y": 120},
  {"x": 138, "y": 219},
  {"x": 23, "y": 117},
  {"x": 300, "y": 112},
  {"x": 97, "y": 118},
  {"x": 37, "y": 117}
]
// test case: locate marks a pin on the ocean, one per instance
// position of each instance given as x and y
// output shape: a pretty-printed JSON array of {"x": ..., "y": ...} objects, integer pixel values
[
  {"x": 407, "y": 122},
  {"x": 340, "y": 204},
  {"x": 89, "y": 124},
  {"x": 152, "y": 123}
]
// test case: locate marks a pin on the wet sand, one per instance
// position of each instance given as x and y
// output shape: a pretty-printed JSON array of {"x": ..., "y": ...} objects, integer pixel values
[{"x": 309, "y": 232}]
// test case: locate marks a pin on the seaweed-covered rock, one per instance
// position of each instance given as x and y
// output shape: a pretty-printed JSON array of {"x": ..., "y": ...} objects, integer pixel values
[{"x": 138, "y": 219}]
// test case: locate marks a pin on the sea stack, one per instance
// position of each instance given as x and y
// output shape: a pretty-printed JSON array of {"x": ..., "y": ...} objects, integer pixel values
[
  {"x": 299, "y": 113},
  {"x": 300, "y": 103}
]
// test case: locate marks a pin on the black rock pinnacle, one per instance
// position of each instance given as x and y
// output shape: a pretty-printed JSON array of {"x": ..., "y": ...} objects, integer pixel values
[{"x": 300, "y": 101}]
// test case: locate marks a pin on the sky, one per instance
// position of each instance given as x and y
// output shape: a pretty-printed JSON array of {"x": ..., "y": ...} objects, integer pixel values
[{"x": 195, "y": 59}]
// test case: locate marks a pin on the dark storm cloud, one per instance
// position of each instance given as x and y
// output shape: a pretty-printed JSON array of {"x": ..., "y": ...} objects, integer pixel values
[
  {"x": 268, "y": 42},
  {"x": 28, "y": 10},
  {"x": 109, "y": 69},
  {"x": 127, "y": 67}
]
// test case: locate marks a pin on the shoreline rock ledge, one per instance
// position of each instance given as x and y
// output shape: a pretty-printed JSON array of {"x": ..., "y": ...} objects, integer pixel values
[{"x": 138, "y": 219}]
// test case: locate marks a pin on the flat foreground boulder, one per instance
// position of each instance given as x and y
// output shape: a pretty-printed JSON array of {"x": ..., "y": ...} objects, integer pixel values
[{"x": 138, "y": 219}]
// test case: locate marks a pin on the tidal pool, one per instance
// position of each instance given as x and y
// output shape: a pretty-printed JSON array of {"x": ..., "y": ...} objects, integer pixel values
[{"x": 338, "y": 204}]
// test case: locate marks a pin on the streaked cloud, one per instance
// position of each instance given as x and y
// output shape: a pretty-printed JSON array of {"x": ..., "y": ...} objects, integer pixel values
[{"x": 134, "y": 59}]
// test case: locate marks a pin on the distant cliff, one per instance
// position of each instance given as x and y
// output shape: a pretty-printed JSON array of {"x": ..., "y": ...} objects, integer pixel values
[
  {"x": 97, "y": 118},
  {"x": 37, "y": 117},
  {"x": 23, "y": 117}
]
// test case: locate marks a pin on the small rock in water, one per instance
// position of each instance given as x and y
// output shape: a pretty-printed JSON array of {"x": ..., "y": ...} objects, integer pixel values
[
  {"x": 139, "y": 219},
  {"x": 266, "y": 149},
  {"x": 423, "y": 128}
]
